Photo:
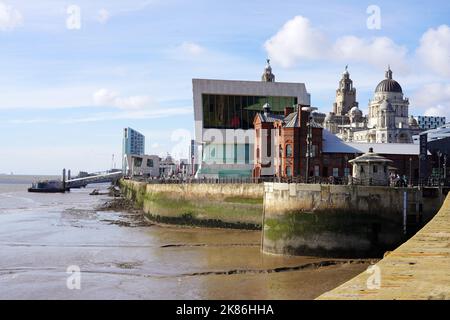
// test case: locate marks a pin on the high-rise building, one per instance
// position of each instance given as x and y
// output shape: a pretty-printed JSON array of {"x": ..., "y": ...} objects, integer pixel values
[
  {"x": 427, "y": 122},
  {"x": 224, "y": 111},
  {"x": 133, "y": 144}
]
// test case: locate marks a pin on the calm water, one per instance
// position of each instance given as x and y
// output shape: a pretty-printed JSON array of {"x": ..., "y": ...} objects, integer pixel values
[{"x": 122, "y": 257}]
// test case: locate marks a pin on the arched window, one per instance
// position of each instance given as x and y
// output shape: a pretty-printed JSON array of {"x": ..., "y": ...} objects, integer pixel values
[{"x": 288, "y": 150}]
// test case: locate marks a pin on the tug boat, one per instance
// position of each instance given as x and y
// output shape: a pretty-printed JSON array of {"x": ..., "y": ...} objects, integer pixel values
[{"x": 49, "y": 186}]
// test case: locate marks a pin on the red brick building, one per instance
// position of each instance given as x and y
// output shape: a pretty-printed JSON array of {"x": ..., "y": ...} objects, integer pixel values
[{"x": 281, "y": 148}]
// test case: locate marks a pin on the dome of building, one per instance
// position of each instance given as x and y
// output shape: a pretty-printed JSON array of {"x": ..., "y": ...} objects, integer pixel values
[
  {"x": 412, "y": 122},
  {"x": 389, "y": 84},
  {"x": 386, "y": 106},
  {"x": 355, "y": 112}
]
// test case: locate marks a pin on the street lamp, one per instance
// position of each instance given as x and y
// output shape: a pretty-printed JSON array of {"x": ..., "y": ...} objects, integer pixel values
[
  {"x": 410, "y": 172},
  {"x": 308, "y": 139},
  {"x": 439, "y": 166},
  {"x": 445, "y": 168}
]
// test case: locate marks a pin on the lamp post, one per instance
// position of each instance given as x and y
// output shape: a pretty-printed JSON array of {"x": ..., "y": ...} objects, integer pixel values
[
  {"x": 439, "y": 167},
  {"x": 410, "y": 172},
  {"x": 308, "y": 139},
  {"x": 445, "y": 168},
  {"x": 308, "y": 147}
]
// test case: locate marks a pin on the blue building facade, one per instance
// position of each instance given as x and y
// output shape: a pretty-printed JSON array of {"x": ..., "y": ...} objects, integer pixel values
[{"x": 133, "y": 144}]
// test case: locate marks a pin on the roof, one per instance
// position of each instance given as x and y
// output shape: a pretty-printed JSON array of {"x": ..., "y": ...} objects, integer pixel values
[
  {"x": 370, "y": 157},
  {"x": 269, "y": 117},
  {"x": 388, "y": 85},
  {"x": 332, "y": 144},
  {"x": 291, "y": 120}
]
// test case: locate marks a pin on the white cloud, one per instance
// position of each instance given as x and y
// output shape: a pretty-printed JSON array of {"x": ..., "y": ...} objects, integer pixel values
[
  {"x": 103, "y": 16},
  {"x": 437, "y": 111},
  {"x": 191, "y": 48},
  {"x": 295, "y": 41},
  {"x": 434, "y": 99},
  {"x": 298, "y": 40},
  {"x": 111, "y": 116},
  {"x": 434, "y": 49},
  {"x": 10, "y": 18},
  {"x": 133, "y": 114},
  {"x": 378, "y": 51},
  {"x": 108, "y": 98}
]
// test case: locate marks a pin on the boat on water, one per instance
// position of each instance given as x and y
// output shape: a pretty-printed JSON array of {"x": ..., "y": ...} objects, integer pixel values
[{"x": 49, "y": 186}]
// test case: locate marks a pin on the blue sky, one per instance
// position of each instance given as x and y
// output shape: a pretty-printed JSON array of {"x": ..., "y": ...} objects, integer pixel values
[{"x": 66, "y": 94}]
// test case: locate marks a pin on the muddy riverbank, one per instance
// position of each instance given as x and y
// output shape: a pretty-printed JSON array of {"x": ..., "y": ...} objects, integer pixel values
[{"x": 122, "y": 256}]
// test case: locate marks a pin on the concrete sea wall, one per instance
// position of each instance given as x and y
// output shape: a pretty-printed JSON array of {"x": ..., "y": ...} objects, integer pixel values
[
  {"x": 418, "y": 269},
  {"x": 212, "y": 205},
  {"x": 334, "y": 220}
]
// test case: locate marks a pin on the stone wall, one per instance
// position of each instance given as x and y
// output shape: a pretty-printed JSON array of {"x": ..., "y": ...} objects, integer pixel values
[
  {"x": 332, "y": 220},
  {"x": 418, "y": 270},
  {"x": 212, "y": 205}
]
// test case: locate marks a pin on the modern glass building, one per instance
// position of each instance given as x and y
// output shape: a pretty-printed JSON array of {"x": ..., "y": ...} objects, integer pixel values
[
  {"x": 224, "y": 111},
  {"x": 427, "y": 122},
  {"x": 133, "y": 144}
]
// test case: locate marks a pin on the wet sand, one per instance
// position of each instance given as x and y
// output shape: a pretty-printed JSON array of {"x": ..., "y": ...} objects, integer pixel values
[{"x": 122, "y": 257}]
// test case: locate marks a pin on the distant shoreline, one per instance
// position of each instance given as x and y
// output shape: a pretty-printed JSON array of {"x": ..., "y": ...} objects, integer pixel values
[{"x": 24, "y": 179}]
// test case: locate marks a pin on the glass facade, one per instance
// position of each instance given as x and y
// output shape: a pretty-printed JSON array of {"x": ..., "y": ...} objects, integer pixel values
[
  {"x": 227, "y": 153},
  {"x": 133, "y": 143},
  {"x": 238, "y": 112}
]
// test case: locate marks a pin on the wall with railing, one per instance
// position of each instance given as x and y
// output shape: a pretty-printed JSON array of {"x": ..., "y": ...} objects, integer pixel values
[{"x": 343, "y": 220}]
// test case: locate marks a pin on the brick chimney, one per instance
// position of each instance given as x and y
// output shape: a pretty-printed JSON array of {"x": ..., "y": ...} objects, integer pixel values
[
  {"x": 288, "y": 111},
  {"x": 303, "y": 115}
]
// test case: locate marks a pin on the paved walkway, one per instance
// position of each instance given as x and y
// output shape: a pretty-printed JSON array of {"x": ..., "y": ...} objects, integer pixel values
[{"x": 418, "y": 269}]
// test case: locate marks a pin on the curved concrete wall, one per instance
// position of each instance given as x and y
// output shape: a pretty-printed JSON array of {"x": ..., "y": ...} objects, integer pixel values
[
  {"x": 212, "y": 205},
  {"x": 418, "y": 269},
  {"x": 331, "y": 220}
]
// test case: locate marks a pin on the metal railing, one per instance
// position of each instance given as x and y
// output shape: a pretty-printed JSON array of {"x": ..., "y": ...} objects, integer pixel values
[{"x": 398, "y": 183}]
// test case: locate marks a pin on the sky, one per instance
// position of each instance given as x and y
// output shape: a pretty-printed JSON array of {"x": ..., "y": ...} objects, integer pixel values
[{"x": 74, "y": 73}]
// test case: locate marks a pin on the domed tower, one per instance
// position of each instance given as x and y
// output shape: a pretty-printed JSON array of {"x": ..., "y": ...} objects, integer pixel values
[
  {"x": 355, "y": 115},
  {"x": 412, "y": 122},
  {"x": 268, "y": 76},
  {"x": 390, "y": 90},
  {"x": 345, "y": 95}
]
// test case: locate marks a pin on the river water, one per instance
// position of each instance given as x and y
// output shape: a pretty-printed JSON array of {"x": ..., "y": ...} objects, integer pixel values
[{"x": 120, "y": 256}]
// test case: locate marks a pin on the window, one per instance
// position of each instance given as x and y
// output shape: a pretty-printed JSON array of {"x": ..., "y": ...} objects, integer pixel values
[
  {"x": 361, "y": 169},
  {"x": 257, "y": 153},
  {"x": 335, "y": 172},
  {"x": 247, "y": 153},
  {"x": 288, "y": 150},
  {"x": 238, "y": 112},
  {"x": 313, "y": 151},
  {"x": 150, "y": 163},
  {"x": 316, "y": 171},
  {"x": 288, "y": 171},
  {"x": 137, "y": 162},
  {"x": 346, "y": 172},
  {"x": 375, "y": 169}
]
